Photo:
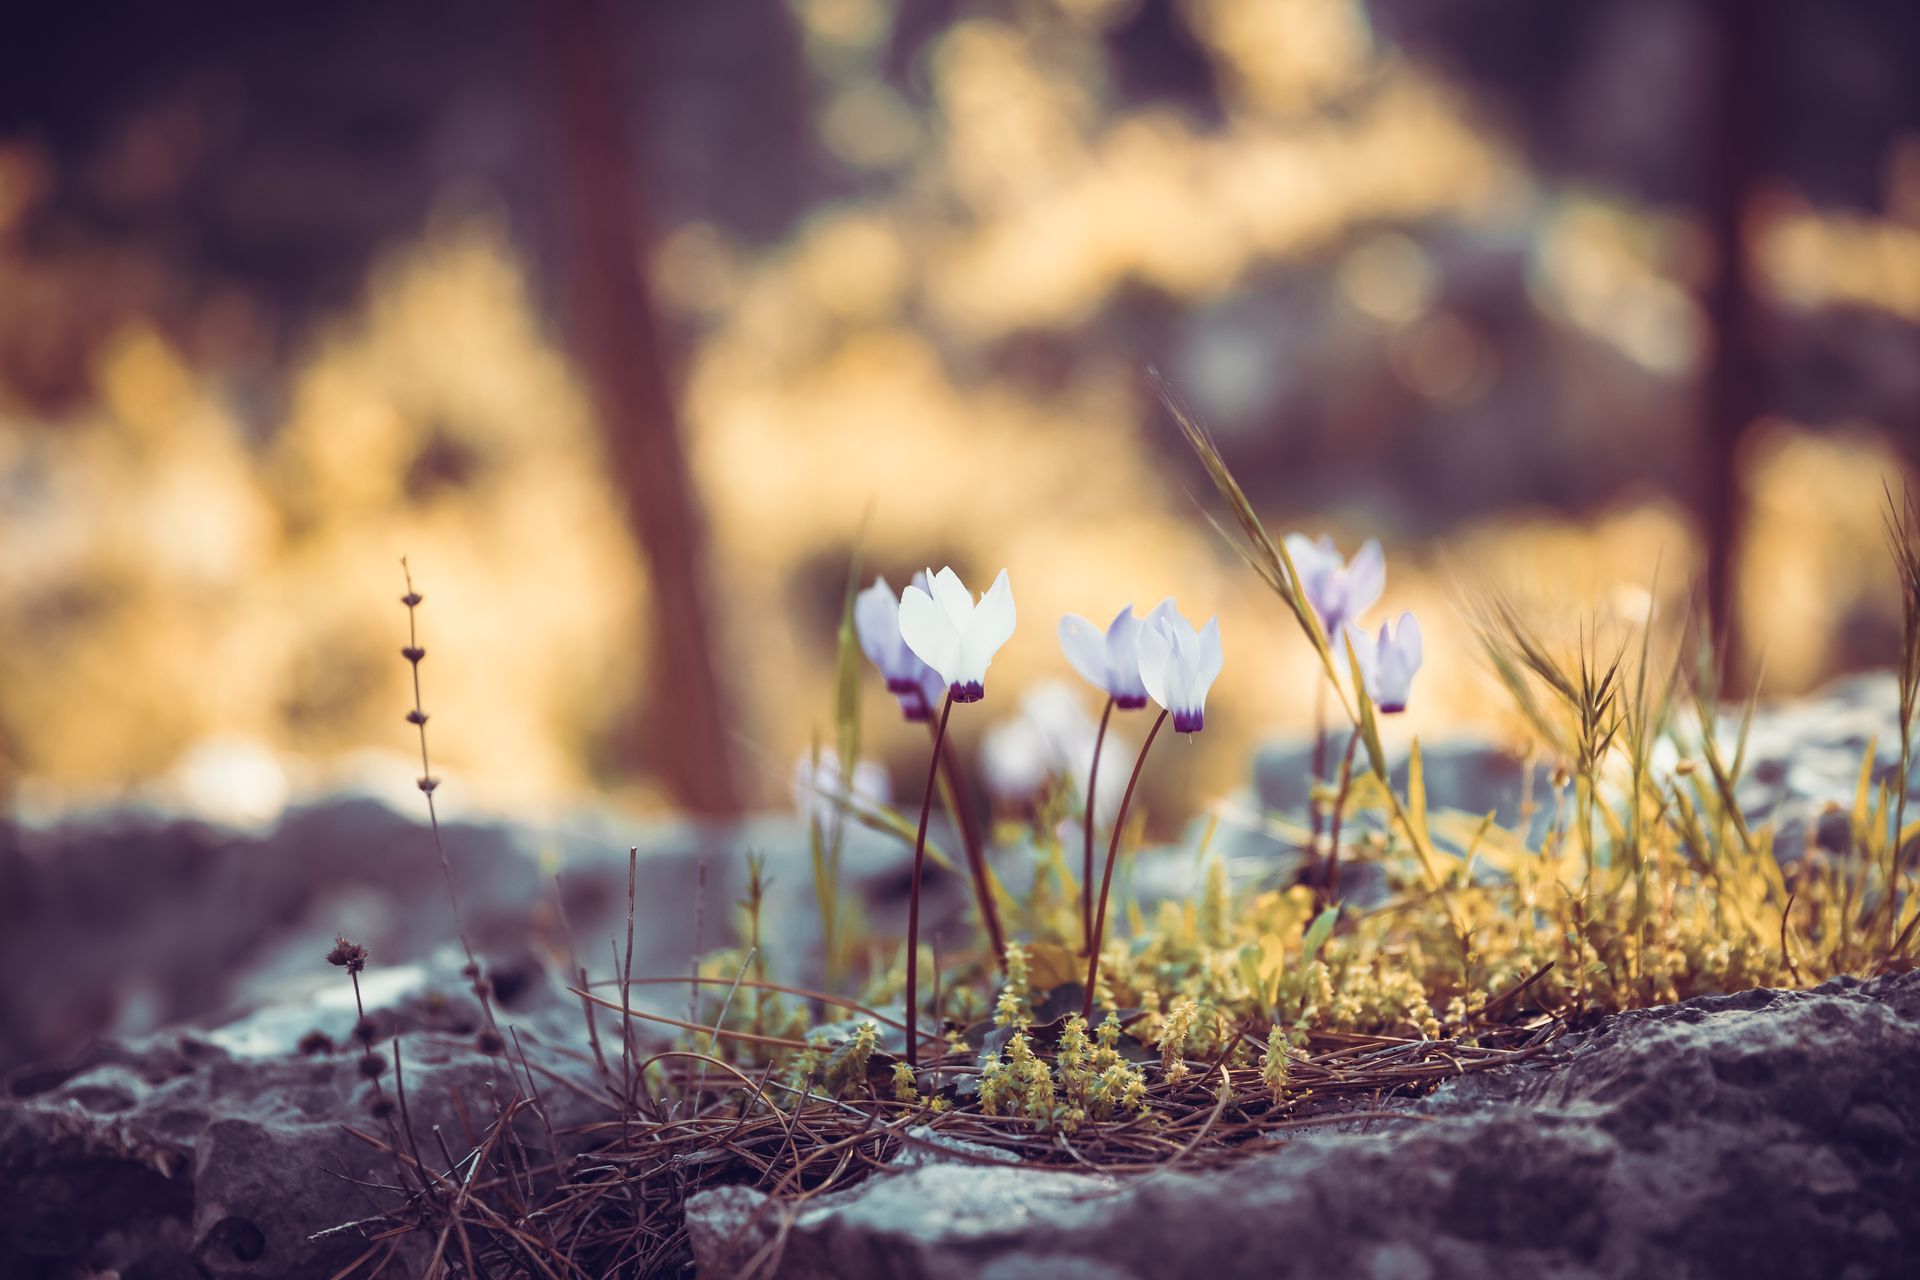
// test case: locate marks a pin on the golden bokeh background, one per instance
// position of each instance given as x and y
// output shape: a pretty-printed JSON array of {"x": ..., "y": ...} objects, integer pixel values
[{"x": 188, "y": 593}]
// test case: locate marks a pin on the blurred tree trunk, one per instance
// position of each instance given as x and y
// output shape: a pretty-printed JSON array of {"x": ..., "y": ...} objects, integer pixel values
[
  {"x": 616, "y": 339},
  {"x": 1731, "y": 395}
]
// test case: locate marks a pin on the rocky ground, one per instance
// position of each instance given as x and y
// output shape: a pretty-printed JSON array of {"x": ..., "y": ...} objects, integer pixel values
[
  {"x": 1772, "y": 1133},
  {"x": 162, "y": 1116}
]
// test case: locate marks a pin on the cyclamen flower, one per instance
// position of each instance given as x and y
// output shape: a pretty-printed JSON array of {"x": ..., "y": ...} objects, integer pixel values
[
  {"x": 876, "y": 621},
  {"x": 1051, "y": 735},
  {"x": 1339, "y": 590},
  {"x": 956, "y": 636},
  {"x": 1388, "y": 661},
  {"x": 1179, "y": 664},
  {"x": 1111, "y": 661},
  {"x": 1015, "y": 760}
]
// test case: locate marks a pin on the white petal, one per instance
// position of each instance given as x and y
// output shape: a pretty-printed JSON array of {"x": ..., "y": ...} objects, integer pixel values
[
  {"x": 1123, "y": 636},
  {"x": 1086, "y": 649},
  {"x": 1366, "y": 578},
  {"x": 1156, "y": 656},
  {"x": 951, "y": 595},
  {"x": 1399, "y": 660},
  {"x": 929, "y": 632},
  {"x": 990, "y": 627},
  {"x": 1058, "y": 711},
  {"x": 876, "y": 620},
  {"x": 1123, "y": 655},
  {"x": 1407, "y": 640},
  {"x": 1014, "y": 759},
  {"x": 871, "y": 783},
  {"x": 1210, "y": 658},
  {"x": 1180, "y": 666},
  {"x": 1304, "y": 552}
]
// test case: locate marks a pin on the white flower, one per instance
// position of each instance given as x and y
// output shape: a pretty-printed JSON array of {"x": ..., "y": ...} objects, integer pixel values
[
  {"x": 1015, "y": 760},
  {"x": 1111, "y": 661},
  {"x": 1388, "y": 661},
  {"x": 1051, "y": 736},
  {"x": 954, "y": 635},
  {"x": 1339, "y": 590},
  {"x": 1178, "y": 665},
  {"x": 818, "y": 793},
  {"x": 876, "y": 621}
]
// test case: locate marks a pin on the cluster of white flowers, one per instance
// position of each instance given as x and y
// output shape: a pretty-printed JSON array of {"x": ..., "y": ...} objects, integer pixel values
[
  {"x": 937, "y": 627},
  {"x": 934, "y": 641}
]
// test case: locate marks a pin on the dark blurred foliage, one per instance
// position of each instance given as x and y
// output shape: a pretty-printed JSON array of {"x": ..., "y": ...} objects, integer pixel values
[
  {"x": 275, "y": 149},
  {"x": 1617, "y": 91},
  {"x": 233, "y": 176}
]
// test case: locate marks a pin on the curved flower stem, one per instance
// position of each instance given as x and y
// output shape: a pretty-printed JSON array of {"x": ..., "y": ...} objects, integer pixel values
[
  {"x": 913, "y": 897},
  {"x": 959, "y": 802},
  {"x": 1086, "y": 877},
  {"x": 1106, "y": 877}
]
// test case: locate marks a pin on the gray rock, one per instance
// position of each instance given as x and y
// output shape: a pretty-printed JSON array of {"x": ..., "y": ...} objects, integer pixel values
[
  {"x": 1766, "y": 1134},
  {"x": 1467, "y": 773},
  {"x": 156, "y": 900},
  {"x": 1803, "y": 756},
  {"x": 226, "y": 1152}
]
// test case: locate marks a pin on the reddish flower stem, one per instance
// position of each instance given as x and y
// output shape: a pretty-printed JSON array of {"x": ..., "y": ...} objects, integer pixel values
[
  {"x": 913, "y": 897},
  {"x": 1086, "y": 877},
  {"x": 1106, "y": 877}
]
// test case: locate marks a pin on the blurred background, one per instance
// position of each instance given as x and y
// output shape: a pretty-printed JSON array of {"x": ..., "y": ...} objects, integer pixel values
[{"x": 621, "y": 321}]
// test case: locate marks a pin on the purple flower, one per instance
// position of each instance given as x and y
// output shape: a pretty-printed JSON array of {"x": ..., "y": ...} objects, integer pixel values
[
  {"x": 1339, "y": 590},
  {"x": 1109, "y": 661},
  {"x": 876, "y": 621},
  {"x": 1388, "y": 661},
  {"x": 1178, "y": 664}
]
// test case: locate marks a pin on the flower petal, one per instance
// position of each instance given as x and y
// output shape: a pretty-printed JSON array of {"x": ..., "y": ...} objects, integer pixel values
[
  {"x": 951, "y": 595},
  {"x": 876, "y": 620},
  {"x": 872, "y": 784},
  {"x": 1210, "y": 658},
  {"x": 1304, "y": 552},
  {"x": 1156, "y": 659},
  {"x": 1407, "y": 640},
  {"x": 990, "y": 626},
  {"x": 1123, "y": 656},
  {"x": 1086, "y": 649},
  {"x": 1366, "y": 578},
  {"x": 930, "y": 633}
]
